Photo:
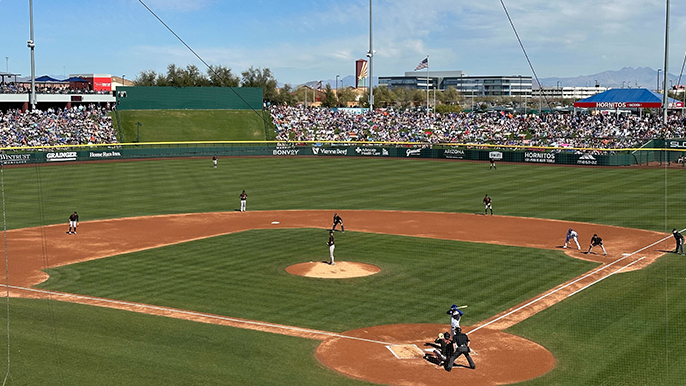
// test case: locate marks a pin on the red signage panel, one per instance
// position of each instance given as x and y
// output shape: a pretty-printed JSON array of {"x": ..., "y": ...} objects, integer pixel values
[{"x": 102, "y": 84}]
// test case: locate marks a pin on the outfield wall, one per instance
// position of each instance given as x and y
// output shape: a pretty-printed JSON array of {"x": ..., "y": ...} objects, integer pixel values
[
  {"x": 190, "y": 98},
  {"x": 267, "y": 149}
]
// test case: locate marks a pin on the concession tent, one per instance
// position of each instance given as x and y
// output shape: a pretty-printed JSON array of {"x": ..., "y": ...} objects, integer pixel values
[
  {"x": 48, "y": 79},
  {"x": 620, "y": 98}
]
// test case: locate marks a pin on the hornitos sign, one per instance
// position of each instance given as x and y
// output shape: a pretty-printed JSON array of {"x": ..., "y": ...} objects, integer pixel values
[{"x": 546, "y": 158}]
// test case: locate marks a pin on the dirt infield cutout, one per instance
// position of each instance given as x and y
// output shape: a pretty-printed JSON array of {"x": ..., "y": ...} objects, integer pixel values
[{"x": 502, "y": 358}]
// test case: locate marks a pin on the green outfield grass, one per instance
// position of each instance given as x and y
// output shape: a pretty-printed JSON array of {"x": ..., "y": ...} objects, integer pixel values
[
  {"x": 638, "y": 198},
  {"x": 194, "y": 125},
  {"x": 54, "y": 343},
  {"x": 626, "y": 330},
  {"x": 243, "y": 275}
]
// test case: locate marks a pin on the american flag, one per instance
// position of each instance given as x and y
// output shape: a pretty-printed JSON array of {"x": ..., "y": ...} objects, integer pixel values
[
  {"x": 318, "y": 86},
  {"x": 363, "y": 71},
  {"x": 423, "y": 64}
]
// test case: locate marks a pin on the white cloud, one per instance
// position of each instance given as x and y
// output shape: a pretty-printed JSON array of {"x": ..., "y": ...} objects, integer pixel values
[{"x": 563, "y": 38}]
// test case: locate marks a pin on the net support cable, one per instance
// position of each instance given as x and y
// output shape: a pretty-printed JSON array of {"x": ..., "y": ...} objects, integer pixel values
[
  {"x": 7, "y": 270},
  {"x": 210, "y": 68},
  {"x": 540, "y": 87}
]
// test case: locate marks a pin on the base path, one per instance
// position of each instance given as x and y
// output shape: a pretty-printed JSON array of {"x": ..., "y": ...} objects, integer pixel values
[{"x": 361, "y": 353}]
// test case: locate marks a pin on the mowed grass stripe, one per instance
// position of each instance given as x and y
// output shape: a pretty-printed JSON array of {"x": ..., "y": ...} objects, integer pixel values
[
  {"x": 627, "y": 329},
  {"x": 243, "y": 275},
  {"x": 625, "y": 197},
  {"x": 55, "y": 343}
]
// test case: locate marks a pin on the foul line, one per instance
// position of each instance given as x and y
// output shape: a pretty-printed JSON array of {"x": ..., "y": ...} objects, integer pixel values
[
  {"x": 193, "y": 313},
  {"x": 605, "y": 277},
  {"x": 571, "y": 283}
]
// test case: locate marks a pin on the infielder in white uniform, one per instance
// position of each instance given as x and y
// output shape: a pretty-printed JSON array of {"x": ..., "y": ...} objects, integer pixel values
[
  {"x": 332, "y": 246},
  {"x": 572, "y": 235}
]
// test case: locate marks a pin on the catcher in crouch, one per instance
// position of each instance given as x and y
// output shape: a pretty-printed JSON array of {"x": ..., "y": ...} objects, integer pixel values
[{"x": 440, "y": 353}]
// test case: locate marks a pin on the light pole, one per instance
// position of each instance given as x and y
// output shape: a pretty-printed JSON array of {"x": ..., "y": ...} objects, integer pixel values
[
  {"x": 7, "y": 64},
  {"x": 370, "y": 54},
  {"x": 123, "y": 80},
  {"x": 32, "y": 46},
  {"x": 337, "y": 76},
  {"x": 665, "y": 99},
  {"x": 623, "y": 83},
  {"x": 658, "y": 79}
]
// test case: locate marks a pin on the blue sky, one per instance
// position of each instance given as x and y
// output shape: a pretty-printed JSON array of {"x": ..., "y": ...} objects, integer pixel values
[{"x": 305, "y": 40}]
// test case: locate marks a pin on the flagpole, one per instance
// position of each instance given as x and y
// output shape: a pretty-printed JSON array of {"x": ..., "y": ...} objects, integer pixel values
[{"x": 427, "y": 84}]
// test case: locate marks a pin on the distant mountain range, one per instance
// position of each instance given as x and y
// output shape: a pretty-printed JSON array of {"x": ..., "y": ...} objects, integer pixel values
[{"x": 644, "y": 77}]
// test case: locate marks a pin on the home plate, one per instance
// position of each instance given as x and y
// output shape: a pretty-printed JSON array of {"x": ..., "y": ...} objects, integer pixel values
[
  {"x": 275, "y": 222},
  {"x": 405, "y": 351}
]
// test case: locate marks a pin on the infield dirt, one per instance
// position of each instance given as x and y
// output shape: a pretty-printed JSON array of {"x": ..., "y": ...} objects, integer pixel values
[{"x": 501, "y": 358}]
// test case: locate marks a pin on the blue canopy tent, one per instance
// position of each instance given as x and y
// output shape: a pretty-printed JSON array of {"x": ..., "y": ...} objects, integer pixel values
[
  {"x": 76, "y": 79},
  {"x": 618, "y": 98},
  {"x": 48, "y": 79}
]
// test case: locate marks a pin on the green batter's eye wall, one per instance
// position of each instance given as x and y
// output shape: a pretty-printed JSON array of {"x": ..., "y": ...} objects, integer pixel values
[{"x": 189, "y": 98}]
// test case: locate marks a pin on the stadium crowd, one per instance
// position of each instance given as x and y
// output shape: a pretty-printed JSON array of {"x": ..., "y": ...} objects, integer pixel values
[
  {"x": 582, "y": 130},
  {"x": 77, "y": 125}
]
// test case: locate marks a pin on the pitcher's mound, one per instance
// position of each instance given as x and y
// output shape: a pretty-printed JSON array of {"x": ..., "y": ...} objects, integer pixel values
[{"x": 340, "y": 270}]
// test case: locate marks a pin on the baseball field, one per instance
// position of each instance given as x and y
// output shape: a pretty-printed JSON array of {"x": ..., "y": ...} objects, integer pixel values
[{"x": 168, "y": 283}]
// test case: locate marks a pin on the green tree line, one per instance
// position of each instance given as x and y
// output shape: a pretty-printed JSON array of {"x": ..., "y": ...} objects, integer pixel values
[{"x": 221, "y": 76}]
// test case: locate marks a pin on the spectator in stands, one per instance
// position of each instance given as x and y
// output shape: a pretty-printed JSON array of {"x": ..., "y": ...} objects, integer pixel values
[
  {"x": 78, "y": 125},
  {"x": 551, "y": 130}
]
